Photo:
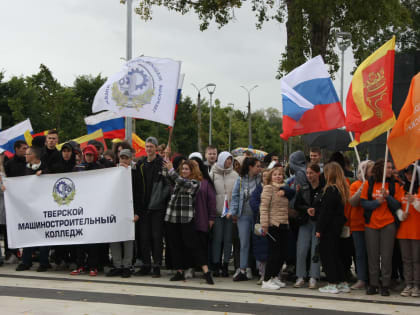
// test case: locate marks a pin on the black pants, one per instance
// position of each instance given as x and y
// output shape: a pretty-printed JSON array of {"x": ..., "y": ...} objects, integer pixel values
[
  {"x": 7, "y": 251},
  {"x": 277, "y": 250},
  {"x": 329, "y": 250},
  {"x": 346, "y": 254},
  {"x": 151, "y": 231},
  {"x": 93, "y": 252},
  {"x": 184, "y": 243}
]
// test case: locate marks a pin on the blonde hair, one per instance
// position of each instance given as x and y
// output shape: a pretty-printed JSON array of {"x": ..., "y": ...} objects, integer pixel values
[
  {"x": 364, "y": 165},
  {"x": 334, "y": 176},
  {"x": 270, "y": 174}
]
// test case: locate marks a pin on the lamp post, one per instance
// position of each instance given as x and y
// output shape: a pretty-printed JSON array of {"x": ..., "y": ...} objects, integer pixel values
[
  {"x": 129, "y": 50},
  {"x": 231, "y": 105},
  {"x": 343, "y": 41},
  {"x": 211, "y": 87},
  {"x": 199, "y": 115},
  {"x": 249, "y": 114}
]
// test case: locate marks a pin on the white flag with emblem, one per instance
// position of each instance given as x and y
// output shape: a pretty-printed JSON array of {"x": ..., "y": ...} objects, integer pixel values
[{"x": 145, "y": 88}]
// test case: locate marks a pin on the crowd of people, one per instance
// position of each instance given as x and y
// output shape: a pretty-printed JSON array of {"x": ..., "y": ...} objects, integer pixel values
[{"x": 300, "y": 220}]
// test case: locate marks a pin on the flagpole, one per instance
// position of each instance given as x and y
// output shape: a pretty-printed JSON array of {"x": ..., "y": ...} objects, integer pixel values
[
  {"x": 413, "y": 178},
  {"x": 386, "y": 160},
  {"x": 129, "y": 50},
  {"x": 357, "y": 156}
]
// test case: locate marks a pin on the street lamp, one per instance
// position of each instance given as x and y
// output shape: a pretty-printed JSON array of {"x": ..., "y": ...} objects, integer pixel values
[
  {"x": 231, "y": 105},
  {"x": 249, "y": 114},
  {"x": 343, "y": 41},
  {"x": 211, "y": 87},
  {"x": 199, "y": 114}
]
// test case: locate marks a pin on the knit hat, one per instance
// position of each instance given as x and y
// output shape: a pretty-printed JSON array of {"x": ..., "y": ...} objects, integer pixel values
[
  {"x": 152, "y": 140},
  {"x": 195, "y": 154},
  {"x": 221, "y": 159}
]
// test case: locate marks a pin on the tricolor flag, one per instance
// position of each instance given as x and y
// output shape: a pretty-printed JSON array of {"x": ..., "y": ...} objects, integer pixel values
[
  {"x": 83, "y": 140},
  {"x": 310, "y": 102},
  {"x": 112, "y": 124},
  {"x": 225, "y": 207},
  {"x": 404, "y": 139},
  {"x": 145, "y": 88},
  {"x": 369, "y": 100},
  {"x": 9, "y": 136}
]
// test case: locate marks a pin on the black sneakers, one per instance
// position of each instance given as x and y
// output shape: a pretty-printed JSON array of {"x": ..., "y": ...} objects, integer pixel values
[
  {"x": 385, "y": 291},
  {"x": 156, "y": 272},
  {"x": 371, "y": 290},
  {"x": 225, "y": 270},
  {"x": 241, "y": 276},
  {"x": 22, "y": 267},
  {"x": 144, "y": 271},
  {"x": 114, "y": 272},
  {"x": 209, "y": 279},
  {"x": 179, "y": 276},
  {"x": 42, "y": 268},
  {"x": 126, "y": 273}
]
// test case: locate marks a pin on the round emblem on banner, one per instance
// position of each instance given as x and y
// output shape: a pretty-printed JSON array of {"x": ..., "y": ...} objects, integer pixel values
[{"x": 64, "y": 191}]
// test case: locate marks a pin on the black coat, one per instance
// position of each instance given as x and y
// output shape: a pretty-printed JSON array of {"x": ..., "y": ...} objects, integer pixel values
[
  {"x": 331, "y": 217},
  {"x": 15, "y": 166}
]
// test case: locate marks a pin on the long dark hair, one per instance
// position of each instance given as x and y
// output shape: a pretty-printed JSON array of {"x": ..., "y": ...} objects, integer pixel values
[
  {"x": 203, "y": 169},
  {"x": 407, "y": 182},
  {"x": 249, "y": 161}
]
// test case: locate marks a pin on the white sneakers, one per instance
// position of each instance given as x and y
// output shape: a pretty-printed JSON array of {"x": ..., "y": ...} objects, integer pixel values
[
  {"x": 270, "y": 284},
  {"x": 335, "y": 288},
  {"x": 312, "y": 283},
  {"x": 273, "y": 284},
  {"x": 411, "y": 291},
  {"x": 249, "y": 273},
  {"x": 330, "y": 288},
  {"x": 300, "y": 283}
]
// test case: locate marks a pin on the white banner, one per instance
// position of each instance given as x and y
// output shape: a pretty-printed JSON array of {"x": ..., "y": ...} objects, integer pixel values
[
  {"x": 145, "y": 88},
  {"x": 70, "y": 208}
]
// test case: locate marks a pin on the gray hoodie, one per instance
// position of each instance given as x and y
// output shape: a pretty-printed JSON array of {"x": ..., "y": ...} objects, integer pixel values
[{"x": 297, "y": 162}]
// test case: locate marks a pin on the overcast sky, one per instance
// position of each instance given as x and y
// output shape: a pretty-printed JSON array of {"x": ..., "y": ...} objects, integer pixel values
[{"x": 75, "y": 37}]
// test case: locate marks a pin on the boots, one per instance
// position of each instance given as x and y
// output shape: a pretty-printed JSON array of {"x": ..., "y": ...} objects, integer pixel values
[
  {"x": 225, "y": 270},
  {"x": 216, "y": 271}
]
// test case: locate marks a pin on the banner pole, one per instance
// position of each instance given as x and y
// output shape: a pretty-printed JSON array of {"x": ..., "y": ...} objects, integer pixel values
[
  {"x": 386, "y": 161},
  {"x": 413, "y": 178},
  {"x": 168, "y": 146},
  {"x": 357, "y": 156}
]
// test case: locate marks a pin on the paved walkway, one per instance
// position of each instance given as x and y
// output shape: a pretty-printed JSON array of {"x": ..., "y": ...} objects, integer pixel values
[{"x": 56, "y": 292}]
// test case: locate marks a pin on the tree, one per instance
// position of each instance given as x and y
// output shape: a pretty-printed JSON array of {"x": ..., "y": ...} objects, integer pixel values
[{"x": 311, "y": 25}]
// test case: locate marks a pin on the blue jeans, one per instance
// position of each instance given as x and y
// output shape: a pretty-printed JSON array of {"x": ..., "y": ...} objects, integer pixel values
[
  {"x": 306, "y": 240},
  {"x": 361, "y": 255},
  {"x": 222, "y": 233},
  {"x": 245, "y": 226}
]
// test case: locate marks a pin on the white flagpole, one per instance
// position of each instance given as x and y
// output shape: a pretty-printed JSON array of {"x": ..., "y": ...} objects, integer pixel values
[
  {"x": 357, "y": 156},
  {"x": 386, "y": 161},
  {"x": 413, "y": 178}
]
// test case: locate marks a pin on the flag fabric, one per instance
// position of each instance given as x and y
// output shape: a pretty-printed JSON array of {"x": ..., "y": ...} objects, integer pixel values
[
  {"x": 404, "y": 139},
  {"x": 139, "y": 145},
  {"x": 178, "y": 96},
  {"x": 42, "y": 133},
  {"x": 83, "y": 140},
  {"x": 112, "y": 124},
  {"x": 9, "y": 136},
  {"x": 310, "y": 102},
  {"x": 369, "y": 100},
  {"x": 225, "y": 207},
  {"x": 145, "y": 88}
]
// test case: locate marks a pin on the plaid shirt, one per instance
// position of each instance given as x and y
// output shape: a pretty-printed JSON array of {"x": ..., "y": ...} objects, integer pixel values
[{"x": 181, "y": 206}]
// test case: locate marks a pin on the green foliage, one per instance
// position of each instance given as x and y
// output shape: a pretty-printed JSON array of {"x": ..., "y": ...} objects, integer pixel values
[{"x": 312, "y": 25}]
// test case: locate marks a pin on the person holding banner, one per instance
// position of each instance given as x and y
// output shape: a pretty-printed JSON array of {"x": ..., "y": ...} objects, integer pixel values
[
  {"x": 408, "y": 234},
  {"x": 93, "y": 251},
  {"x": 34, "y": 166},
  {"x": 224, "y": 178},
  {"x": 179, "y": 218},
  {"x": 122, "y": 252},
  {"x": 380, "y": 210}
]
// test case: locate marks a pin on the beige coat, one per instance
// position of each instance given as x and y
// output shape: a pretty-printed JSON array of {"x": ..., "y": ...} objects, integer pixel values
[
  {"x": 274, "y": 209},
  {"x": 223, "y": 180}
]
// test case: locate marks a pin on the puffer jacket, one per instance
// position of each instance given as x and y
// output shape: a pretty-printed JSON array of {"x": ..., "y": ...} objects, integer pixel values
[
  {"x": 274, "y": 209},
  {"x": 224, "y": 180}
]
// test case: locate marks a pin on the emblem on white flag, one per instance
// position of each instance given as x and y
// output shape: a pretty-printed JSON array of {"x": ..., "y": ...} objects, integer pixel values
[{"x": 145, "y": 88}]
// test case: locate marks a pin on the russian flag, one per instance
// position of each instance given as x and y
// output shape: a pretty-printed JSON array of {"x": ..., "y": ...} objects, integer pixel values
[
  {"x": 112, "y": 125},
  {"x": 225, "y": 207},
  {"x": 310, "y": 102},
  {"x": 9, "y": 136}
]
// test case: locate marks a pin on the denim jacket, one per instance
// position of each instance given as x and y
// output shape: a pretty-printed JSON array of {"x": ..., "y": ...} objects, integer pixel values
[{"x": 238, "y": 195}]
